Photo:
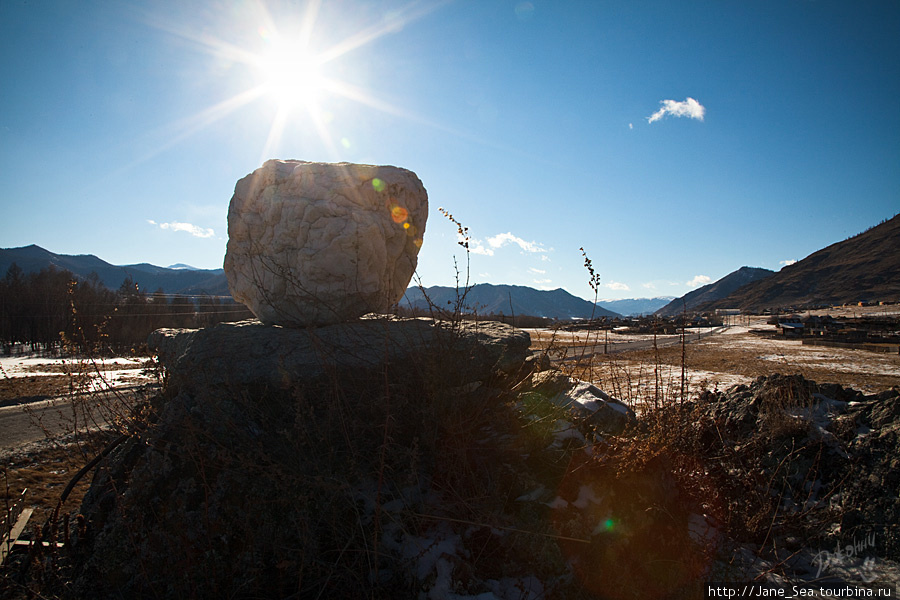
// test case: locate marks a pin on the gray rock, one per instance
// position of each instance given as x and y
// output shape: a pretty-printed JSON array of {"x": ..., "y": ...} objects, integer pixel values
[{"x": 585, "y": 401}]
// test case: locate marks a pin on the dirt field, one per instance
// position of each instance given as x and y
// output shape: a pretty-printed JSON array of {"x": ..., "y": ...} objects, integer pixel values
[{"x": 731, "y": 357}]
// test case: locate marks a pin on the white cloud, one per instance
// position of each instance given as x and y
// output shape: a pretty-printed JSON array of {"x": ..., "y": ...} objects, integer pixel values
[
  {"x": 787, "y": 262},
  {"x": 538, "y": 271},
  {"x": 476, "y": 247},
  {"x": 542, "y": 281},
  {"x": 617, "y": 285},
  {"x": 649, "y": 285},
  {"x": 631, "y": 126},
  {"x": 194, "y": 230},
  {"x": 689, "y": 108},
  {"x": 698, "y": 280},
  {"x": 502, "y": 239}
]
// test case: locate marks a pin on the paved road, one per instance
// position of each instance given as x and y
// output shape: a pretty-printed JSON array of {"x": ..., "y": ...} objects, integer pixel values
[
  {"x": 588, "y": 350},
  {"x": 21, "y": 424},
  {"x": 26, "y": 423}
]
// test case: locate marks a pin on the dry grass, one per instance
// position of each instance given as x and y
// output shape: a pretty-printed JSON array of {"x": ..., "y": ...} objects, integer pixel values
[
  {"x": 15, "y": 390},
  {"x": 44, "y": 473}
]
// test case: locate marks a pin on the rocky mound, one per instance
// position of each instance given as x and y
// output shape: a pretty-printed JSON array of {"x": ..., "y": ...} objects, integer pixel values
[
  {"x": 379, "y": 465},
  {"x": 821, "y": 464},
  {"x": 368, "y": 457}
]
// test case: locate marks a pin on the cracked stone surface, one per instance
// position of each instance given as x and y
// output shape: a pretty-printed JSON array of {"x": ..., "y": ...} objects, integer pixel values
[{"x": 314, "y": 244}]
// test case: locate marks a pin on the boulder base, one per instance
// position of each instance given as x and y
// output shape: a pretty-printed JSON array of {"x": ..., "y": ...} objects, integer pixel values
[
  {"x": 250, "y": 354},
  {"x": 274, "y": 452}
]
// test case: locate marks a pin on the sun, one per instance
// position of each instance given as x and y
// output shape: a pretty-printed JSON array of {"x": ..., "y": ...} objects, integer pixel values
[
  {"x": 291, "y": 67},
  {"x": 292, "y": 76}
]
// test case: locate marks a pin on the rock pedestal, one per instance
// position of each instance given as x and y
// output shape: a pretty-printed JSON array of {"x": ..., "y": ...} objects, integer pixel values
[
  {"x": 316, "y": 243},
  {"x": 248, "y": 354},
  {"x": 264, "y": 453}
]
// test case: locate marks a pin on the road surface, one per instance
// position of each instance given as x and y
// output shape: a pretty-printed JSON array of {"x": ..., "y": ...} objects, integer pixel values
[{"x": 25, "y": 423}]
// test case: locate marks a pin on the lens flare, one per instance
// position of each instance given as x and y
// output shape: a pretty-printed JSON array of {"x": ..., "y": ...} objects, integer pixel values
[
  {"x": 377, "y": 184},
  {"x": 399, "y": 214}
]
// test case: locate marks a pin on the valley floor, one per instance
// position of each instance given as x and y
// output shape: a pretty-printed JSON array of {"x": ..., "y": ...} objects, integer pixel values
[{"x": 719, "y": 359}]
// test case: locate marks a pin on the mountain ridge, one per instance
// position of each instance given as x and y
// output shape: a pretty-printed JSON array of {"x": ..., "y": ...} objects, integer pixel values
[
  {"x": 634, "y": 307},
  {"x": 488, "y": 298},
  {"x": 712, "y": 292},
  {"x": 861, "y": 268},
  {"x": 484, "y": 298},
  {"x": 149, "y": 278}
]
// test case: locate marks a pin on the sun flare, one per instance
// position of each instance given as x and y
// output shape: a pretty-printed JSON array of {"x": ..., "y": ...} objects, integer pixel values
[
  {"x": 290, "y": 72},
  {"x": 292, "y": 76}
]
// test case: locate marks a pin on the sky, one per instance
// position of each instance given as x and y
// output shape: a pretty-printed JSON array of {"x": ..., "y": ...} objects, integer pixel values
[{"x": 673, "y": 141}]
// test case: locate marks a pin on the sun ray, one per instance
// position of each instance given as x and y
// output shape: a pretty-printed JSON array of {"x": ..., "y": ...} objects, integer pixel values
[
  {"x": 208, "y": 43},
  {"x": 275, "y": 132},
  {"x": 316, "y": 117},
  {"x": 292, "y": 74},
  {"x": 410, "y": 13},
  {"x": 180, "y": 130}
]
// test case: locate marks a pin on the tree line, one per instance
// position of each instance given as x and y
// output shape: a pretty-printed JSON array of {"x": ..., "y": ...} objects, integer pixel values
[{"x": 54, "y": 309}]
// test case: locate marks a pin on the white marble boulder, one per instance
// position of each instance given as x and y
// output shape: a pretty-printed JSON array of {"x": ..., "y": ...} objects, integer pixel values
[{"x": 318, "y": 243}]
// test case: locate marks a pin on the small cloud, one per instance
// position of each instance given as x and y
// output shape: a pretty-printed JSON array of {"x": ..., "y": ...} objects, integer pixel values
[
  {"x": 698, "y": 280},
  {"x": 649, "y": 285},
  {"x": 631, "y": 126},
  {"x": 476, "y": 247},
  {"x": 689, "y": 108},
  {"x": 194, "y": 230},
  {"x": 542, "y": 281},
  {"x": 617, "y": 285},
  {"x": 524, "y": 10},
  {"x": 538, "y": 271},
  {"x": 787, "y": 262},
  {"x": 502, "y": 239}
]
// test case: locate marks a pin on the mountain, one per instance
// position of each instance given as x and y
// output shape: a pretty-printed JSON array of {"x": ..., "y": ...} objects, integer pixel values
[
  {"x": 486, "y": 299},
  {"x": 635, "y": 307},
  {"x": 714, "y": 291},
  {"x": 148, "y": 277},
  {"x": 863, "y": 268}
]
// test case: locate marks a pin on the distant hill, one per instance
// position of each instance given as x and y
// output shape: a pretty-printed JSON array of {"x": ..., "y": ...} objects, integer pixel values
[
  {"x": 692, "y": 301},
  {"x": 635, "y": 307},
  {"x": 864, "y": 268},
  {"x": 148, "y": 277},
  {"x": 486, "y": 299}
]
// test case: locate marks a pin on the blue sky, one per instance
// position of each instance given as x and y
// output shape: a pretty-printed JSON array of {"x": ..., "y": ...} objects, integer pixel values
[{"x": 125, "y": 125}]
